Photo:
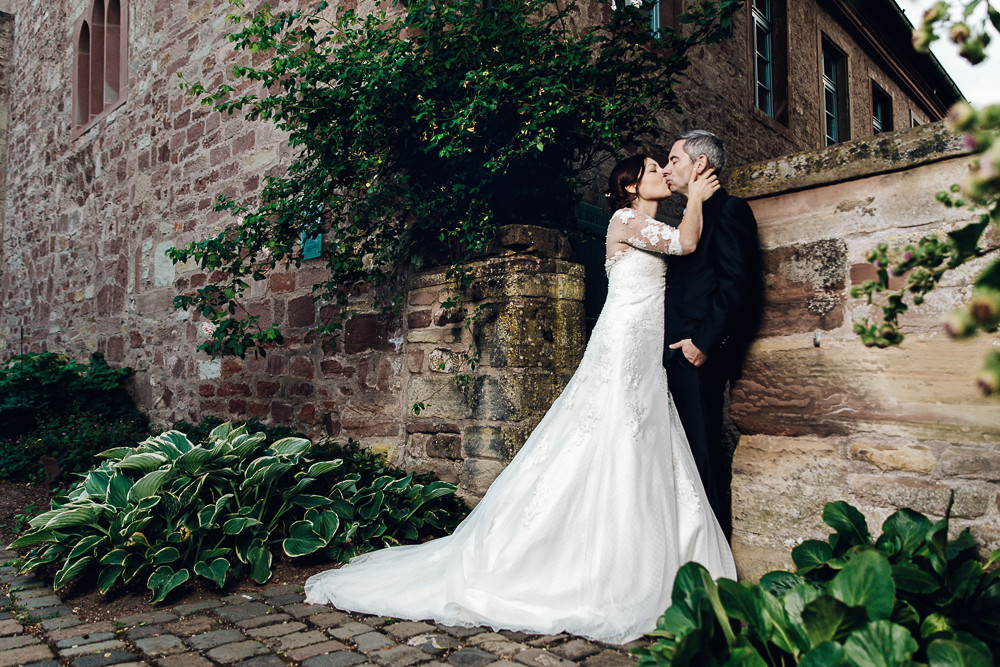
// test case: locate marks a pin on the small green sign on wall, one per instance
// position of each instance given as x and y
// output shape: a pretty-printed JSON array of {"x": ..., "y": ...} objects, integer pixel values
[{"x": 312, "y": 246}]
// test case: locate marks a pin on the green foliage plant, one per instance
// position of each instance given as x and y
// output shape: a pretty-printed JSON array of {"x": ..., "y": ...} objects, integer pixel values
[
  {"x": 169, "y": 510},
  {"x": 420, "y": 128},
  {"x": 926, "y": 261},
  {"x": 911, "y": 597}
]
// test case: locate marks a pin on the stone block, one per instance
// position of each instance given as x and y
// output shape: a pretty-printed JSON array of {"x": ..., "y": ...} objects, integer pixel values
[
  {"x": 306, "y": 652},
  {"x": 511, "y": 397},
  {"x": 233, "y": 653},
  {"x": 972, "y": 499},
  {"x": 906, "y": 458},
  {"x": 25, "y": 655},
  {"x": 399, "y": 656},
  {"x": 536, "y": 657},
  {"x": 923, "y": 390},
  {"x": 769, "y": 470},
  {"x": 210, "y": 640},
  {"x": 441, "y": 396},
  {"x": 494, "y": 442},
  {"x": 373, "y": 331},
  {"x": 418, "y": 319},
  {"x": 805, "y": 287},
  {"x": 970, "y": 462},
  {"x": 478, "y": 474}
]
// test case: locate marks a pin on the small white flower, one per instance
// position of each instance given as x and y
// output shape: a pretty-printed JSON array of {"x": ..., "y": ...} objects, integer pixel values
[
  {"x": 207, "y": 328},
  {"x": 636, "y": 3}
]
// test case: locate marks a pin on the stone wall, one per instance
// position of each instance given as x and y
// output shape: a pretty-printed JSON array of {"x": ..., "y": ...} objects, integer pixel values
[{"x": 881, "y": 429}]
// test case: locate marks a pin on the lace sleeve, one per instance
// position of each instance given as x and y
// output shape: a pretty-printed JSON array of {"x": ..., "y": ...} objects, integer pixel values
[{"x": 641, "y": 231}]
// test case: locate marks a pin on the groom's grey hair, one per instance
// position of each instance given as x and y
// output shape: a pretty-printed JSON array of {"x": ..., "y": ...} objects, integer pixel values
[{"x": 703, "y": 142}]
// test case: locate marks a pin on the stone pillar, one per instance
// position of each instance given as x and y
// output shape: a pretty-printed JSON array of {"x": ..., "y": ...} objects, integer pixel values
[
  {"x": 529, "y": 337},
  {"x": 881, "y": 429}
]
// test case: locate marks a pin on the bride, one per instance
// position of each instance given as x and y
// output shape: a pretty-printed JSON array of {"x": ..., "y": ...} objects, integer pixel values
[{"x": 585, "y": 529}]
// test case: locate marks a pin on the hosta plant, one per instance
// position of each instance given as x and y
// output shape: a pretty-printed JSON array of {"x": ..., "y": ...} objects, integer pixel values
[
  {"x": 911, "y": 597},
  {"x": 169, "y": 510}
]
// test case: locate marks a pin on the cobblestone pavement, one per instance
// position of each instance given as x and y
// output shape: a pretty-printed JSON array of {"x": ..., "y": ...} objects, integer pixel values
[{"x": 271, "y": 628}]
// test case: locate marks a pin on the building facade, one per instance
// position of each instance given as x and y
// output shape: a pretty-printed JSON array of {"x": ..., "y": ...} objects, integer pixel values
[{"x": 105, "y": 163}]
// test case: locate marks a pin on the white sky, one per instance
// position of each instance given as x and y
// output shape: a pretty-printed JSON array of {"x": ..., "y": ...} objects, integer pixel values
[{"x": 981, "y": 83}]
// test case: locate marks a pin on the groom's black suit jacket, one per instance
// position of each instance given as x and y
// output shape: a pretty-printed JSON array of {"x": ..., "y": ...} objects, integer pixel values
[{"x": 713, "y": 295}]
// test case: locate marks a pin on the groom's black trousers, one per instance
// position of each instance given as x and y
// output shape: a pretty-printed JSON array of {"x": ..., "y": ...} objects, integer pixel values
[{"x": 698, "y": 394}]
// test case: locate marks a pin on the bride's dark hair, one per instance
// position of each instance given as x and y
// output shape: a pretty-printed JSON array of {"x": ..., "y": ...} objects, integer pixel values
[{"x": 626, "y": 173}]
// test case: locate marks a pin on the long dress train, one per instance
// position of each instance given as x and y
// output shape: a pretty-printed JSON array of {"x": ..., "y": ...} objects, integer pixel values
[{"x": 585, "y": 529}]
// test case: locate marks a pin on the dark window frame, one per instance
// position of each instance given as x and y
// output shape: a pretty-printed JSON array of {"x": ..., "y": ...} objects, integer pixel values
[
  {"x": 882, "y": 116},
  {"x": 767, "y": 22},
  {"x": 835, "y": 89},
  {"x": 100, "y": 62}
]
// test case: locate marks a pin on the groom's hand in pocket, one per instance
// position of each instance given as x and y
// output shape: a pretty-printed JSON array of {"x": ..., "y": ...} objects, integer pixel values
[{"x": 690, "y": 351}]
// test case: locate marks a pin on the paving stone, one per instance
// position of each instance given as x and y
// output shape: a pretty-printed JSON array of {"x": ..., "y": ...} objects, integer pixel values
[
  {"x": 149, "y": 618},
  {"x": 297, "y": 640},
  {"x": 435, "y": 643},
  {"x": 517, "y": 635},
  {"x": 471, "y": 657},
  {"x": 399, "y": 656},
  {"x": 263, "y": 661},
  {"x": 502, "y": 648},
  {"x": 49, "y": 613},
  {"x": 49, "y": 663},
  {"x": 277, "y": 590},
  {"x": 266, "y": 619},
  {"x": 195, "y": 607},
  {"x": 503, "y": 663},
  {"x": 276, "y": 630},
  {"x": 192, "y": 625},
  {"x": 40, "y": 602},
  {"x": 307, "y": 652},
  {"x": 82, "y": 640},
  {"x": 143, "y": 631},
  {"x": 233, "y": 653},
  {"x": 80, "y": 630},
  {"x": 99, "y": 647},
  {"x": 407, "y": 629},
  {"x": 244, "y": 610},
  {"x": 303, "y": 610},
  {"x": 241, "y": 598},
  {"x": 371, "y": 641},
  {"x": 608, "y": 658},
  {"x": 288, "y": 598},
  {"x": 348, "y": 630},
  {"x": 102, "y": 659},
  {"x": 24, "y": 655},
  {"x": 575, "y": 650},
  {"x": 210, "y": 640},
  {"x": 4, "y": 615},
  {"x": 329, "y": 619},
  {"x": 22, "y": 582},
  {"x": 536, "y": 657},
  {"x": 162, "y": 645},
  {"x": 460, "y": 632},
  {"x": 17, "y": 641},
  {"x": 376, "y": 621},
  {"x": 61, "y": 622},
  {"x": 184, "y": 660},
  {"x": 12, "y": 627},
  {"x": 546, "y": 641},
  {"x": 33, "y": 593},
  {"x": 336, "y": 659}
]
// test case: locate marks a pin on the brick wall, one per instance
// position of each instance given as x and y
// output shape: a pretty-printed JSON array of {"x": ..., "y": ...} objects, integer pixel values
[{"x": 882, "y": 429}]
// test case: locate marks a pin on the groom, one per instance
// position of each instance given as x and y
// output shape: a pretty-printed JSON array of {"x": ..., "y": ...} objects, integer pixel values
[{"x": 711, "y": 309}]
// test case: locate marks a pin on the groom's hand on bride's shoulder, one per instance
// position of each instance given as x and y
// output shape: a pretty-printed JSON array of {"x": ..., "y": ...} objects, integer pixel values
[{"x": 690, "y": 351}]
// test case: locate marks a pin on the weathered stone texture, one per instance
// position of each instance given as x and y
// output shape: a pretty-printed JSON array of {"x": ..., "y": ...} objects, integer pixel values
[{"x": 881, "y": 429}]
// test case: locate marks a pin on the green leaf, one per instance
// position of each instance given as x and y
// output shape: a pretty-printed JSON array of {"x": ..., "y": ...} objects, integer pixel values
[
  {"x": 86, "y": 545},
  {"x": 370, "y": 508},
  {"x": 260, "y": 563},
  {"x": 956, "y": 653},
  {"x": 866, "y": 581},
  {"x": 308, "y": 501},
  {"x": 966, "y": 239},
  {"x": 291, "y": 447},
  {"x": 811, "y": 554},
  {"x": 149, "y": 485},
  {"x": 827, "y": 654},
  {"x": 114, "y": 557},
  {"x": 906, "y": 530},
  {"x": 191, "y": 461},
  {"x": 164, "y": 555},
  {"x": 144, "y": 462},
  {"x": 913, "y": 579},
  {"x": 118, "y": 488},
  {"x": 828, "y": 619},
  {"x": 880, "y": 644},
  {"x": 108, "y": 576},
  {"x": 70, "y": 569},
  {"x": 164, "y": 579},
  {"x": 237, "y": 525},
  {"x": 848, "y": 522},
  {"x": 216, "y": 571},
  {"x": 322, "y": 467},
  {"x": 302, "y": 539},
  {"x": 778, "y": 582}
]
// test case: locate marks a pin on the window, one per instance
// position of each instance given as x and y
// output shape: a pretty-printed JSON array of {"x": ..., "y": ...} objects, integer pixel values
[
  {"x": 770, "y": 71},
  {"x": 881, "y": 110},
  {"x": 835, "y": 115},
  {"x": 100, "y": 73}
]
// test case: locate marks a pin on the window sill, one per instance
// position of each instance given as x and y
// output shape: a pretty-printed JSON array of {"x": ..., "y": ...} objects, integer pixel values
[
  {"x": 770, "y": 123},
  {"x": 83, "y": 129}
]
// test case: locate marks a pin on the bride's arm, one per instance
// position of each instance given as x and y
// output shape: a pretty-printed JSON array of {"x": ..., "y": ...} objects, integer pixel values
[{"x": 700, "y": 188}]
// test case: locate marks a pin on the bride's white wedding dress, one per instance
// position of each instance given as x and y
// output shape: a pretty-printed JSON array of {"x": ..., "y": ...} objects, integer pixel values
[{"x": 585, "y": 529}]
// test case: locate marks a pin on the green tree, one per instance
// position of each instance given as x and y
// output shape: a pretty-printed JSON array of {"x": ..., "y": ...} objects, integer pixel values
[
  {"x": 420, "y": 128},
  {"x": 969, "y": 25}
]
